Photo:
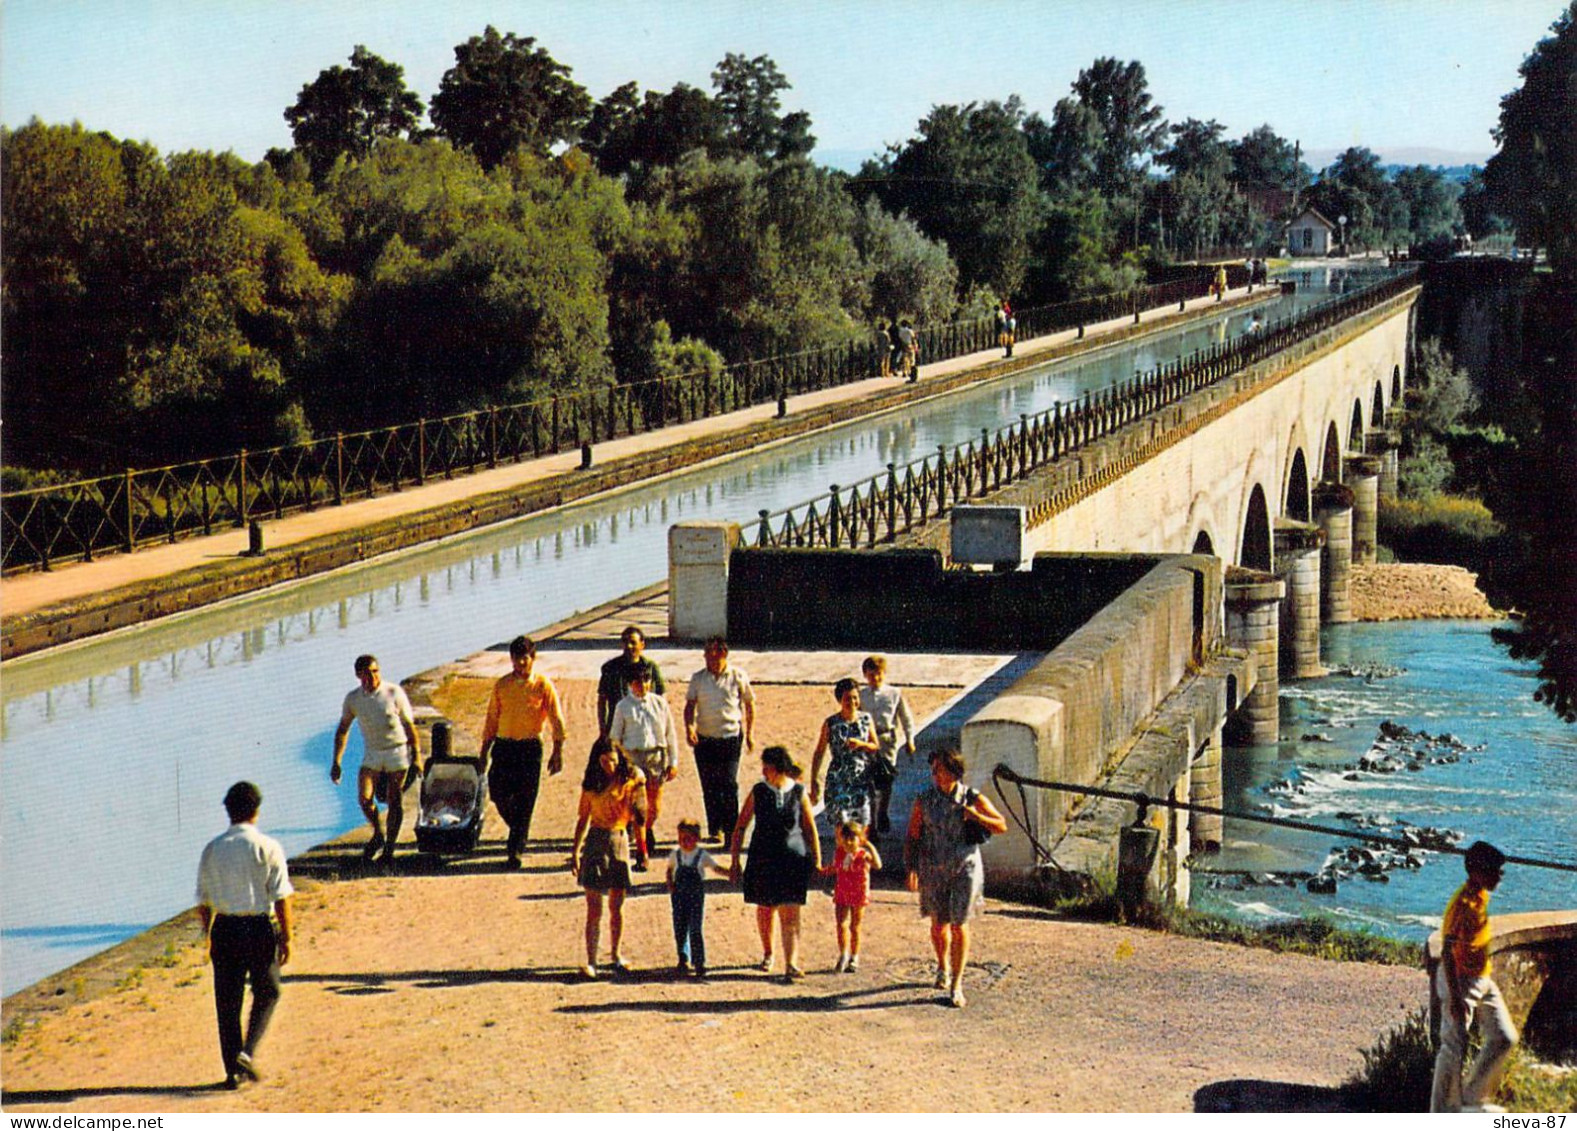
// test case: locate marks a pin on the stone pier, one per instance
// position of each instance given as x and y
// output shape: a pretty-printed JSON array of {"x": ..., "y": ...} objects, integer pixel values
[
  {"x": 1298, "y": 565},
  {"x": 1333, "y": 510},
  {"x": 1363, "y": 476},
  {"x": 1253, "y": 605}
]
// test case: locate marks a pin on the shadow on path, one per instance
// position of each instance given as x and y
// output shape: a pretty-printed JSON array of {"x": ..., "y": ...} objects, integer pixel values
[
  {"x": 70, "y": 1095},
  {"x": 1272, "y": 1096},
  {"x": 803, "y": 1003}
]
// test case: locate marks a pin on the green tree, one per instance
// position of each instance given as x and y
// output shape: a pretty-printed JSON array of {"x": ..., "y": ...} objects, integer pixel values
[
  {"x": 503, "y": 93},
  {"x": 343, "y": 111},
  {"x": 907, "y": 273},
  {"x": 969, "y": 181},
  {"x": 1355, "y": 186},
  {"x": 1263, "y": 157},
  {"x": 1478, "y": 208},
  {"x": 1132, "y": 126},
  {"x": 747, "y": 95},
  {"x": 1065, "y": 149},
  {"x": 1431, "y": 200},
  {"x": 1533, "y": 178},
  {"x": 627, "y": 135}
]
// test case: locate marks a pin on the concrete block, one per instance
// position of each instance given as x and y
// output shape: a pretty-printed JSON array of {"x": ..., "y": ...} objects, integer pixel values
[
  {"x": 988, "y": 535},
  {"x": 698, "y": 554}
]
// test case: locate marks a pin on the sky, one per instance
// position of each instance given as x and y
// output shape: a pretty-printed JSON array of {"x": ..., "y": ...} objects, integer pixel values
[{"x": 1391, "y": 75}]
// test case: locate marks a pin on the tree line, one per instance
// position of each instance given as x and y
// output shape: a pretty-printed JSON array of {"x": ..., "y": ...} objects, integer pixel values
[{"x": 528, "y": 239}]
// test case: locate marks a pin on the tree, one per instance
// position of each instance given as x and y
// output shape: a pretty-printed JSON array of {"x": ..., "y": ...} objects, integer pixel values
[
  {"x": 968, "y": 180},
  {"x": 1132, "y": 126},
  {"x": 1533, "y": 179},
  {"x": 1431, "y": 200},
  {"x": 503, "y": 93},
  {"x": 1355, "y": 186},
  {"x": 1478, "y": 208},
  {"x": 747, "y": 95},
  {"x": 1263, "y": 157},
  {"x": 1197, "y": 148},
  {"x": 626, "y": 134},
  {"x": 1065, "y": 149},
  {"x": 343, "y": 111},
  {"x": 908, "y": 273}
]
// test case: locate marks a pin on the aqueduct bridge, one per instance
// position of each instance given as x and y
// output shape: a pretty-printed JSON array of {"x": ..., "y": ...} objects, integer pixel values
[{"x": 1187, "y": 536}]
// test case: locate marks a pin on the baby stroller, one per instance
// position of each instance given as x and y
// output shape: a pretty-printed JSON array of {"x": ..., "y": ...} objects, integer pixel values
[{"x": 453, "y": 800}]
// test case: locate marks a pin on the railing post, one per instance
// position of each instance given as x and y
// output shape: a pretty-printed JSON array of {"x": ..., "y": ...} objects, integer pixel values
[
  {"x": 131, "y": 538},
  {"x": 834, "y": 517},
  {"x": 761, "y": 536},
  {"x": 1023, "y": 444},
  {"x": 892, "y": 501},
  {"x": 208, "y": 517},
  {"x": 985, "y": 458},
  {"x": 421, "y": 451},
  {"x": 553, "y": 445},
  {"x": 339, "y": 469},
  {"x": 492, "y": 435},
  {"x": 243, "y": 511}
]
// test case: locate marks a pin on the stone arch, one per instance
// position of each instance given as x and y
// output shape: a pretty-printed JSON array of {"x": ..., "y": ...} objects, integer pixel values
[
  {"x": 1255, "y": 551},
  {"x": 1202, "y": 521},
  {"x": 1203, "y": 544},
  {"x": 1296, "y": 498},
  {"x": 1377, "y": 414},
  {"x": 1396, "y": 384},
  {"x": 1331, "y": 460},
  {"x": 1355, "y": 429}
]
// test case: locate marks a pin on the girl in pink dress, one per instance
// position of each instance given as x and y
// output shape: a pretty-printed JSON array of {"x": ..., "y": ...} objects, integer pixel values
[{"x": 851, "y": 864}]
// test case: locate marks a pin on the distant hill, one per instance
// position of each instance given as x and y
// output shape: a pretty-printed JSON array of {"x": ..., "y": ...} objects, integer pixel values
[{"x": 1318, "y": 159}]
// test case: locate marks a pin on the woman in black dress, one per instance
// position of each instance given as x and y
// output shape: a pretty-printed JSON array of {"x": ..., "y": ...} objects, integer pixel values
[{"x": 784, "y": 854}]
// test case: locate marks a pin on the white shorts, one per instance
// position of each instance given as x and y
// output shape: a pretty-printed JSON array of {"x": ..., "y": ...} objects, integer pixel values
[{"x": 394, "y": 761}]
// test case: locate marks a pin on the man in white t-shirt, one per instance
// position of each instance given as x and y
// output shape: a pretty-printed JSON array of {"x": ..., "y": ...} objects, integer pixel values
[
  {"x": 719, "y": 723},
  {"x": 390, "y": 751},
  {"x": 643, "y": 727}
]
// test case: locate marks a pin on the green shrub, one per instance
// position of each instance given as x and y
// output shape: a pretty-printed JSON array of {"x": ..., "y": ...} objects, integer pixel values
[{"x": 1398, "y": 1071}]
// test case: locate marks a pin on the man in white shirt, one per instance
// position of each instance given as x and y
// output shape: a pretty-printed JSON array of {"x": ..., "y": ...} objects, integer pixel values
[
  {"x": 719, "y": 723},
  {"x": 241, "y": 879},
  {"x": 643, "y": 727},
  {"x": 390, "y": 751},
  {"x": 888, "y": 710}
]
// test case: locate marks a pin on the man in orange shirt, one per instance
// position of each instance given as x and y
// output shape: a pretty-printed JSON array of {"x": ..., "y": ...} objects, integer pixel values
[
  {"x": 1467, "y": 992},
  {"x": 511, "y": 747}
]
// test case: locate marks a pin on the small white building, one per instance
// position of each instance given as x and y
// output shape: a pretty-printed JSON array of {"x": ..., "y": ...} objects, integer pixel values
[{"x": 1311, "y": 234}]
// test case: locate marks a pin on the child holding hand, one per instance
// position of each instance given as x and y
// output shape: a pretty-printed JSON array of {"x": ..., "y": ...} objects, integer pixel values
[
  {"x": 687, "y": 868},
  {"x": 852, "y": 863}
]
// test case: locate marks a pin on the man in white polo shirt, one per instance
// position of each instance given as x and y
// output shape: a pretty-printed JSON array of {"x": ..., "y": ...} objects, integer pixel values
[
  {"x": 390, "y": 751},
  {"x": 241, "y": 879},
  {"x": 643, "y": 727},
  {"x": 719, "y": 723}
]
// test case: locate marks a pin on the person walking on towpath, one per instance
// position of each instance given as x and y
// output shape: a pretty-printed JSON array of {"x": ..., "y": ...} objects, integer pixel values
[
  {"x": 888, "y": 711},
  {"x": 942, "y": 855},
  {"x": 1467, "y": 993},
  {"x": 243, "y": 890},
  {"x": 643, "y": 728},
  {"x": 611, "y": 795},
  {"x": 511, "y": 751},
  {"x": 390, "y": 751},
  {"x": 614, "y": 682},
  {"x": 719, "y": 724},
  {"x": 850, "y": 735}
]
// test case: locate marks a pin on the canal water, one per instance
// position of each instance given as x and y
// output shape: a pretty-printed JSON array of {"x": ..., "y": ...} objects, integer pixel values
[
  {"x": 1514, "y": 785},
  {"x": 116, "y": 751}
]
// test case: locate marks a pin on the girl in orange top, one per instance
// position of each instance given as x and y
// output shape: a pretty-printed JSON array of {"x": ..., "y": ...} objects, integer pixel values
[{"x": 612, "y": 797}]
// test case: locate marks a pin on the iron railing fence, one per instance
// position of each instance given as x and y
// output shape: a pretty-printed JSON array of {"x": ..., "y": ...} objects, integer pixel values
[
  {"x": 891, "y": 503},
  {"x": 119, "y": 513}
]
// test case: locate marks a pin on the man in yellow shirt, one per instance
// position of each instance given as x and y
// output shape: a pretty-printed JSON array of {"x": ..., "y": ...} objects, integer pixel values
[
  {"x": 511, "y": 749},
  {"x": 1467, "y": 992}
]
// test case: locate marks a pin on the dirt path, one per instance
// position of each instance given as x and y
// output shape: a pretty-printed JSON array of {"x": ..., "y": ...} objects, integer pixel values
[{"x": 456, "y": 991}]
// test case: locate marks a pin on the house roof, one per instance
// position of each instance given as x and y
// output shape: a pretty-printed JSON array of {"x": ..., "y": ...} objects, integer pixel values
[{"x": 1315, "y": 214}]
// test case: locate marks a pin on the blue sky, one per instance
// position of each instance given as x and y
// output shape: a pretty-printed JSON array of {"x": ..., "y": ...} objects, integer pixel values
[{"x": 218, "y": 74}]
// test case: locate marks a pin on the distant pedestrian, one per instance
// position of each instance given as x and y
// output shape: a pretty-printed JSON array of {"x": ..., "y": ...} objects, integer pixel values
[
  {"x": 1219, "y": 286},
  {"x": 889, "y": 712},
  {"x": 243, "y": 900},
  {"x": 895, "y": 335},
  {"x": 390, "y": 751},
  {"x": 719, "y": 723},
  {"x": 849, "y": 736},
  {"x": 852, "y": 863},
  {"x": 884, "y": 351},
  {"x": 784, "y": 853},
  {"x": 1467, "y": 993},
  {"x": 1012, "y": 332},
  {"x": 909, "y": 342},
  {"x": 614, "y": 681},
  {"x": 522, "y": 703},
  {"x": 688, "y": 865},
  {"x": 643, "y": 728},
  {"x": 942, "y": 856},
  {"x": 612, "y": 797}
]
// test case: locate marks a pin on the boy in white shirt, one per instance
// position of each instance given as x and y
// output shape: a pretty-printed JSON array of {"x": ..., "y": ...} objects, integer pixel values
[{"x": 643, "y": 727}]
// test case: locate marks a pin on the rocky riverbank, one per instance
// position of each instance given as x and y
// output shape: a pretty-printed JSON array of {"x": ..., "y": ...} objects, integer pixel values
[{"x": 1417, "y": 591}]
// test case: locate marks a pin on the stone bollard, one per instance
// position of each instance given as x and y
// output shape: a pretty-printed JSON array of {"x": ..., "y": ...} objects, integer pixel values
[
  {"x": 254, "y": 539},
  {"x": 698, "y": 554},
  {"x": 1363, "y": 476},
  {"x": 1333, "y": 506},
  {"x": 1137, "y": 845},
  {"x": 1298, "y": 564},
  {"x": 1253, "y": 607},
  {"x": 1204, "y": 788},
  {"x": 585, "y": 455}
]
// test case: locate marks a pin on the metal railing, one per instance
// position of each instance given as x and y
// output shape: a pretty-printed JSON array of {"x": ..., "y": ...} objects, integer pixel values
[
  {"x": 120, "y": 513},
  {"x": 879, "y": 509}
]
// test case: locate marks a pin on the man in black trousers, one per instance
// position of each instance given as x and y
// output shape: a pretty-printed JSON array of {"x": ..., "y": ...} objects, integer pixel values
[{"x": 243, "y": 887}]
